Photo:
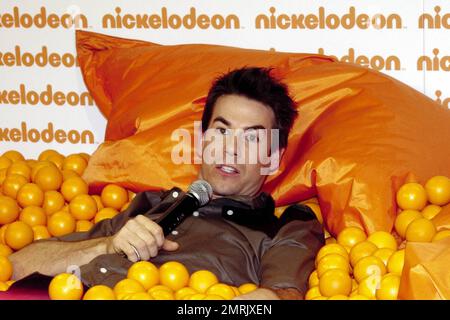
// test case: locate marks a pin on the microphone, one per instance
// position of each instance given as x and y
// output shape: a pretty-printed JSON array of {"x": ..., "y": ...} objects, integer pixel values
[{"x": 198, "y": 195}]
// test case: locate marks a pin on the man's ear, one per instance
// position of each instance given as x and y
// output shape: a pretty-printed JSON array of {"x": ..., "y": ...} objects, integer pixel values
[{"x": 275, "y": 160}]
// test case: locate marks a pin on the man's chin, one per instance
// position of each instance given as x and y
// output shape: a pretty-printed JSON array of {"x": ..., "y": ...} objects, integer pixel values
[{"x": 220, "y": 191}]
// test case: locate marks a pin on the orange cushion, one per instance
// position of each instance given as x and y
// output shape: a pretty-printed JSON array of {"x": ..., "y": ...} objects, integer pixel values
[{"x": 358, "y": 136}]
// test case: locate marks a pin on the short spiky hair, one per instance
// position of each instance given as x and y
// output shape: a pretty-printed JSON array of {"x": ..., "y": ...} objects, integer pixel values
[{"x": 256, "y": 84}]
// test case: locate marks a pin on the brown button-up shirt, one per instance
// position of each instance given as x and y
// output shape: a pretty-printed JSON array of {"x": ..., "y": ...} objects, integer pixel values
[{"x": 237, "y": 238}]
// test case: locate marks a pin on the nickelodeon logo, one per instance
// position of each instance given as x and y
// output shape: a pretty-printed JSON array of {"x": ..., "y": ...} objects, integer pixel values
[
  {"x": 438, "y": 21},
  {"x": 325, "y": 20},
  {"x": 435, "y": 63},
  {"x": 376, "y": 62},
  {"x": 48, "y": 135},
  {"x": 20, "y": 58},
  {"x": 442, "y": 100},
  {"x": 47, "y": 97},
  {"x": 42, "y": 19},
  {"x": 164, "y": 20}
]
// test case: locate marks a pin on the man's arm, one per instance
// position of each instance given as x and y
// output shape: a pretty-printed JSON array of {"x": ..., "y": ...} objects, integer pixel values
[
  {"x": 53, "y": 257},
  {"x": 288, "y": 261}
]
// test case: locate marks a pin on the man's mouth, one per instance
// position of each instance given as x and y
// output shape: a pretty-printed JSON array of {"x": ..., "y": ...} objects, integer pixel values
[{"x": 227, "y": 170}]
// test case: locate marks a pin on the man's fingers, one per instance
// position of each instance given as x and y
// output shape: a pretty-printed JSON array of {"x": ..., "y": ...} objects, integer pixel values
[
  {"x": 139, "y": 244},
  {"x": 149, "y": 240},
  {"x": 153, "y": 227},
  {"x": 169, "y": 245}
]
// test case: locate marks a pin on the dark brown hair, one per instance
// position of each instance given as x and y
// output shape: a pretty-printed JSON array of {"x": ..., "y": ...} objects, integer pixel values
[{"x": 257, "y": 84}]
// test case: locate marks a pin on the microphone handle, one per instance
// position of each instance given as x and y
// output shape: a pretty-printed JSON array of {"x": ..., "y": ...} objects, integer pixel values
[{"x": 177, "y": 212}]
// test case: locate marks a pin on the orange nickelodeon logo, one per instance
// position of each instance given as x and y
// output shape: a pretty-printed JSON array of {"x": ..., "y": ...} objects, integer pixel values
[
  {"x": 325, "y": 20},
  {"x": 376, "y": 62},
  {"x": 48, "y": 135},
  {"x": 42, "y": 19},
  {"x": 438, "y": 21},
  {"x": 164, "y": 20},
  {"x": 47, "y": 97},
  {"x": 442, "y": 101},
  {"x": 435, "y": 63},
  {"x": 20, "y": 58}
]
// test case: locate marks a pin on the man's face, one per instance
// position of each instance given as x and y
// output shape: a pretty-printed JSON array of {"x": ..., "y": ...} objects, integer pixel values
[{"x": 235, "y": 132}]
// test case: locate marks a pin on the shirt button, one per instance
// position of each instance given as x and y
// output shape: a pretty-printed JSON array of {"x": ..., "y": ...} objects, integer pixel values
[
  {"x": 195, "y": 213},
  {"x": 230, "y": 212},
  {"x": 174, "y": 232},
  {"x": 103, "y": 270},
  {"x": 175, "y": 194}
]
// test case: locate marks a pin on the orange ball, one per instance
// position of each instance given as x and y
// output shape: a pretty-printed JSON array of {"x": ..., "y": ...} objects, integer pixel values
[
  {"x": 4, "y": 162},
  {"x": 9, "y": 210},
  {"x": 174, "y": 275},
  {"x": 65, "y": 286},
  {"x": 404, "y": 219},
  {"x": 40, "y": 232},
  {"x": 73, "y": 187},
  {"x": 13, "y": 155},
  {"x": 76, "y": 163},
  {"x": 44, "y": 155},
  {"x": 83, "y": 207},
  {"x": 114, "y": 196},
  {"x": 99, "y": 292},
  {"x": 53, "y": 202},
  {"x": 125, "y": 287},
  {"x": 38, "y": 166},
  {"x": 431, "y": 211},
  {"x": 30, "y": 195},
  {"x": 351, "y": 236},
  {"x": 5, "y": 251},
  {"x": 69, "y": 174},
  {"x": 144, "y": 272},
  {"x": 6, "y": 269},
  {"x": 412, "y": 196},
  {"x": 21, "y": 168},
  {"x": 49, "y": 178},
  {"x": 57, "y": 160},
  {"x": 201, "y": 280},
  {"x": 2, "y": 177},
  {"x": 83, "y": 226},
  {"x": 368, "y": 266},
  {"x": 98, "y": 200},
  {"x": 438, "y": 190},
  {"x": 334, "y": 282},
  {"x": 12, "y": 185},
  {"x": 18, "y": 235},
  {"x": 332, "y": 261},
  {"x": 33, "y": 216},
  {"x": 2, "y": 233},
  {"x": 61, "y": 223},
  {"x": 420, "y": 230},
  {"x": 105, "y": 213}
]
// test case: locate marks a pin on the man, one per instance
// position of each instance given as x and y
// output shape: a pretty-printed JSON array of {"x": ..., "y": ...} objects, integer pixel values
[{"x": 236, "y": 235}]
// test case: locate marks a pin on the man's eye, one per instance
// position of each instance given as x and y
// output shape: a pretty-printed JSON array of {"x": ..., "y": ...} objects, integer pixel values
[
  {"x": 252, "y": 137},
  {"x": 223, "y": 131}
]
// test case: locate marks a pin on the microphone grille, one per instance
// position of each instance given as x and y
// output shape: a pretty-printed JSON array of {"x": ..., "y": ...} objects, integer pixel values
[{"x": 202, "y": 190}]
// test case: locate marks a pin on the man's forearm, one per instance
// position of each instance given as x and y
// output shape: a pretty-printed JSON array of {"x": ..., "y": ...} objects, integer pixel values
[{"x": 53, "y": 257}]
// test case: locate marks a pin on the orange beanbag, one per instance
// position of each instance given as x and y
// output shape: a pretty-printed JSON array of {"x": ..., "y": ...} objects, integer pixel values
[{"x": 358, "y": 136}]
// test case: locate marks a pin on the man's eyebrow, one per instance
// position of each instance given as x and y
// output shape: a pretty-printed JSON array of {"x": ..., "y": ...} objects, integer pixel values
[
  {"x": 223, "y": 120},
  {"x": 256, "y": 127},
  {"x": 228, "y": 123}
]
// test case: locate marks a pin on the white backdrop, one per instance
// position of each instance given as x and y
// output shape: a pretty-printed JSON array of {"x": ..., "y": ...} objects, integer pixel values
[{"x": 406, "y": 39}]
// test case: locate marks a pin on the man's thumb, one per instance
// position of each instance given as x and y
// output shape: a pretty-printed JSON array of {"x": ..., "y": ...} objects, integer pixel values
[{"x": 169, "y": 245}]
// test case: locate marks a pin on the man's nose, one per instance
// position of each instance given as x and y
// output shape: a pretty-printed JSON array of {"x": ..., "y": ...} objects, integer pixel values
[{"x": 231, "y": 144}]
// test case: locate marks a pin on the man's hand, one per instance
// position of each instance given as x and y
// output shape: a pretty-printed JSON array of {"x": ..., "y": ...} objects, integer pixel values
[
  {"x": 258, "y": 294},
  {"x": 143, "y": 234}
]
